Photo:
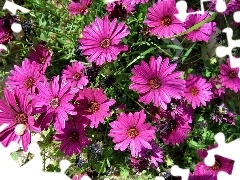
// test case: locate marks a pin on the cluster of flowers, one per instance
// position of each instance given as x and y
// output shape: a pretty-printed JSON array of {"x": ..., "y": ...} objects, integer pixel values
[{"x": 34, "y": 103}]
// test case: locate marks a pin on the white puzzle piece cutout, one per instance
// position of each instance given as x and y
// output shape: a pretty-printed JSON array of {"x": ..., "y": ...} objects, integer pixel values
[{"x": 182, "y": 8}]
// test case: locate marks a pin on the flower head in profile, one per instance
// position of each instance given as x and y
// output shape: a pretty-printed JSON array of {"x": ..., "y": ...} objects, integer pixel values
[
  {"x": 18, "y": 114},
  {"x": 197, "y": 91},
  {"x": 73, "y": 136},
  {"x": 204, "y": 32},
  {"x": 101, "y": 40},
  {"x": 221, "y": 164},
  {"x": 223, "y": 115},
  {"x": 229, "y": 77},
  {"x": 161, "y": 19},
  {"x": 25, "y": 77},
  {"x": 41, "y": 55},
  {"x": 155, "y": 154},
  {"x": 52, "y": 102},
  {"x": 200, "y": 174},
  {"x": 79, "y": 7},
  {"x": 74, "y": 74},
  {"x": 130, "y": 130},
  {"x": 157, "y": 82},
  {"x": 93, "y": 104}
]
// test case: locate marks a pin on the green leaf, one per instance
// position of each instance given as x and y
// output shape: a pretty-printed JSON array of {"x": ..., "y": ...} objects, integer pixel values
[
  {"x": 171, "y": 46},
  {"x": 14, "y": 156},
  {"x": 188, "y": 52},
  {"x": 124, "y": 173}
]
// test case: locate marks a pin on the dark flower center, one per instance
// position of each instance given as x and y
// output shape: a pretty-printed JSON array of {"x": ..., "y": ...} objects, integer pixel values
[
  {"x": 29, "y": 83},
  {"x": 194, "y": 91},
  {"x": 54, "y": 103},
  {"x": 132, "y": 133},
  {"x": 21, "y": 118},
  {"x": 232, "y": 74},
  {"x": 216, "y": 166},
  {"x": 173, "y": 125},
  {"x": 77, "y": 76},
  {"x": 155, "y": 83},
  {"x": 105, "y": 43},
  {"x": 166, "y": 21},
  {"x": 42, "y": 60},
  {"x": 74, "y": 136},
  {"x": 93, "y": 107}
]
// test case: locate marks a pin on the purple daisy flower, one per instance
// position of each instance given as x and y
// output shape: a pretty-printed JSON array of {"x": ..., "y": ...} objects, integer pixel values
[
  {"x": 161, "y": 19},
  {"x": 155, "y": 154},
  {"x": 75, "y": 75},
  {"x": 93, "y": 104},
  {"x": 79, "y": 7},
  {"x": 197, "y": 91},
  {"x": 53, "y": 102},
  {"x": 101, "y": 40},
  {"x": 221, "y": 164},
  {"x": 139, "y": 164},
  {"x": 18, "y": 114},
  {"x": 41, "y": 55},
  {"x": 5, "y": 36},
  {"x": 204, "y": 32},
  {"x": 139, "y": 1},
  {"x": 73, "y": 137},
  {"x": 217, "y": 88},
  {"x": 157, "y": 82},
  {"x": 131, "y": 130},
  {"x": 229, "y": 77},
  {"x": 26, "y": 77}
]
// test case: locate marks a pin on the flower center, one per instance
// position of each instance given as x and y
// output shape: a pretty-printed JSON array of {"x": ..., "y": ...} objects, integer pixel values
[
  {"x": 77, "y": 76},
  {"x": 173, "y": 125},
  {"x": 54, "y": 103},
  {"x": 216, "y": 166},
  {"x": 74, "y": 136},
  {"x": 21, "y": 118},
  {"x": 155, "y": 83},
  {"x": 20, "y": 129},
  {"x": 29, "y": 83},
  {"x": 42, "y": 60},
  {"x": 105, "y": 43},
  {"x": 132, "y": 133},
  {"x": 166, "y": 21},
  {"x": 194, "y": 91},
  {"x": 93, "y": 107},
  {"x": 232, "y": 74}
]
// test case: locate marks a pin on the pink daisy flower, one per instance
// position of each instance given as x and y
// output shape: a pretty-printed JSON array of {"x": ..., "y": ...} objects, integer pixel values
[
  {"x": 161, "y": 19},
  {"x": 26, "y": 77},
  {"x": 18, "y": 114},
  {"x": 101, "y": 40},
  {"x": 75, "y": 75},
  {"x": 79, "y": 7},
  {"x": 197, "y": 91},
  {"x": 199, "y": 174},
  {"x": 229, "y": 77},
  {"x": 139, "y": 1},
  {"x": 93, "y": 104},
  {"x": 157, "y": 82},
  {"x": 131, "y": 130},
  {"x": 41, "y": 55},
  {"x": 221, "y": 164},
  {"x": 155, "y": 154},
  {"x": 204, "y": 32},
  {"x": 53, "y": 102},
  {"x": 73, "y": 137}
]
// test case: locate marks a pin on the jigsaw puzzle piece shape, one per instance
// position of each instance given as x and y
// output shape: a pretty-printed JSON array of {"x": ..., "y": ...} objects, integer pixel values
[
  {"x": 236, "y": 16},
  {"x": 182, "y": 8},
  {"x": 176, "y": 171}
]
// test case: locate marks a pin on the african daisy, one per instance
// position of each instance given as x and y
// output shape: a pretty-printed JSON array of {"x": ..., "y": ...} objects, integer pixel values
[
  {"x": 161, "y": 19},
  {"x": 157, "y": 82},
  {"x": 52, "y": 102},
  {"x": 229, "y": 77},
  {"x": 131, "y": 130},
  {"x": 18, "y": 114},
  {"x": 93, "y": 104},
  {"x": 101, "y": 40},
  {"x": 197, "y": 91},
  {"x": 79, "y": 7}
]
